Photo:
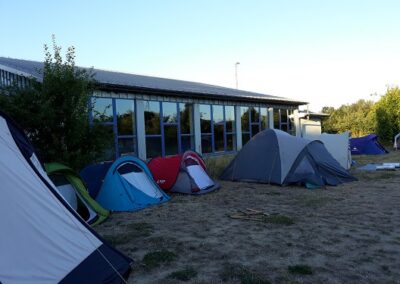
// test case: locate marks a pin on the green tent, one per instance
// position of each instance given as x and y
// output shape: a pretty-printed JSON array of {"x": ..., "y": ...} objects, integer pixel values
[{"x": 72, "y": 188}]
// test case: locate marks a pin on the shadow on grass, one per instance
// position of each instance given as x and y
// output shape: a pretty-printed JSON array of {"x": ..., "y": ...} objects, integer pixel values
[
  {"x": 185, "y": 274},
  {"x": 157, "y": 258},
  {"x": 300, "y": 269},
  {"x": 243, "y": 274}
]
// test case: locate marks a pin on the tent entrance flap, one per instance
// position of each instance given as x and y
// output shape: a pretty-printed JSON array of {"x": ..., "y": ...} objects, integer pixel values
[
  {"x": 200, "y": 177},
  {"x": 142, "y": 181}
]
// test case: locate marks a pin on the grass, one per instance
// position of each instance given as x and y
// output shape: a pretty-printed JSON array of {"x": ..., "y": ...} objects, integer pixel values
[
  {"x": 279, "y": 220},
  {"x": 300, "y": 269},
  {"x": 216, "y": 164},
  {"x": 185, "y": 274},
  {"x": 127, "y": 233},
  {"x": 241, "y": 273},
  {"x": 157, "y": 258},
  {"x": 314, "y": 201}
]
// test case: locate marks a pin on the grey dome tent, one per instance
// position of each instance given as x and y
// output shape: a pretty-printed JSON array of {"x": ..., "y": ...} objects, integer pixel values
[
  {"x": 274, "y": 156},
  {"x": 43, "y": 240}
]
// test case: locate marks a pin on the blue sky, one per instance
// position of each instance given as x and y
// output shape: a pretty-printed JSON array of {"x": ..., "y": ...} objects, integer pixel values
[{"x": 325, "y": 52}]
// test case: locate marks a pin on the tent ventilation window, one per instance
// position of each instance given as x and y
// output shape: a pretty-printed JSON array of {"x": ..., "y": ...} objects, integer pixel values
[{"x": 129, "y": 168}]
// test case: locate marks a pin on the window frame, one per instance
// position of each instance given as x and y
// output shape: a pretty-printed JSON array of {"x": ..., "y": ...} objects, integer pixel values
[
  {"x": 114, "y": 123},
  {"x": 177, "y": 124},
  {"x": 212, "y": 133}
]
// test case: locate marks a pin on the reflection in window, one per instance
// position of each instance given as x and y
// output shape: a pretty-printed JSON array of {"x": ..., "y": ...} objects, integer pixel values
[
  {"x": 119, "y": 117},
  {"x": 152, "y": 117},
  {"x": 102, "y": 110},
  {"x": 264, "y": 118},
  {"x": 171, "y": 139},
  {"x": 172, "y": 134},
  {"x": 125, "y": 117},
  {"x": 282, "y": 121},
  {"x": 170, "y": 114},
  {"x": 186, "y": 116},
  {"x": 217, "y": 134},
  {"x": 205, "y": 118},
  {"x": 153, "y": 146}
]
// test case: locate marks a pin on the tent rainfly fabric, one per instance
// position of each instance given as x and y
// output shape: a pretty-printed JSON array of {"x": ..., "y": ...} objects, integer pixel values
[
  {"x": 128, "y": 186},
  {"x": 274, "y": 156},
  {"x": 366, "y": 145},
  {"x": 338, "y": 145},
  {"x": 70, "y": 185},
  {"x": 43, "y": 239},
  {"x": 182, "y": 173}
]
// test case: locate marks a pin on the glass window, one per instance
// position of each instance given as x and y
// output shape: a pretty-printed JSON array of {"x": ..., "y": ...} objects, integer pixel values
[
  {"x": 205, "y": 118},
  {"x": 170, "y": 114},
  {"x": 218, "y": 114},
  {"x": 230, "y": 118},
  {"x": 244, "y": 113},
  {"x": 255, "y": 128},
  {"x": 206, "y": 144},
  {"x": 255, "y": 115},
  {"x": 171, "y": 139},
  {"x": 245, "y": 138},
  {"x": 126, "y": 146},
  {"x": 186, "y": 114},
  {"x": 152, "y": 117},
  {"x": 284, "y": 116},
  {"x": 276, "y": 118},
  {"x": 230, "y": 142},
  {"x": 264, "y": 118},
  {"x": 219, "y": 141},
  {"x": 125, "y": 116},
  {"x": 153, "y": 146},
  {"x": 187, "y": 142},
  {"x": 102, "y": 110},
  {"x": 109, "y": 153}
]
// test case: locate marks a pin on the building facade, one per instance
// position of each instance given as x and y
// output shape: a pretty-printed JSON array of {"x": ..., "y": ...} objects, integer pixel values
[{"x": 150, "y": 116}]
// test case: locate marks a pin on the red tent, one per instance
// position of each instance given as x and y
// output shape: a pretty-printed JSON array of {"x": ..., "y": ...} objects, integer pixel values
[{"x": 182, "y": 173}]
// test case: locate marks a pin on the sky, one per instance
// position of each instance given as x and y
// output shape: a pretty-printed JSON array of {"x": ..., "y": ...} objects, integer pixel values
[{"x": 327, "y": 53}]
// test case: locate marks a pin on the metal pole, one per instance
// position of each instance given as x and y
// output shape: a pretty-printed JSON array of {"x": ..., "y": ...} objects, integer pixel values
[{"x": 236, "y": 74}]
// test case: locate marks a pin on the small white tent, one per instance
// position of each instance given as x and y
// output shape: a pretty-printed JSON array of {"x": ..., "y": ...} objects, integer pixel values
[
  {"x": 338, "y": 145},
  {"x": 43, "y": 240}
]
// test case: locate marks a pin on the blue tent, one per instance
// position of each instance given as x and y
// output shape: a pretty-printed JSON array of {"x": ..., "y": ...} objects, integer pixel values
[
  {"x": 129, "y": 186},
  {"x": 366, "y": 145}
]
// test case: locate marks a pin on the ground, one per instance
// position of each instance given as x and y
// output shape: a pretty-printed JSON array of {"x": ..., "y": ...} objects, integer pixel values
[{"x": 344, "y": 234}]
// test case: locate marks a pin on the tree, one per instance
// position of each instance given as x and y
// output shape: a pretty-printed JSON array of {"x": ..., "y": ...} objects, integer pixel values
[
  {"x": 55, "y": 112},
  {"x": 387, "y": 114},
  {"x": 358, "y": 118}
]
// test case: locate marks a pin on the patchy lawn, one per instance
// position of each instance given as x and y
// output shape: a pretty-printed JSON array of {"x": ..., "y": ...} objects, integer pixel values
[{"x": 344, "y": 234}]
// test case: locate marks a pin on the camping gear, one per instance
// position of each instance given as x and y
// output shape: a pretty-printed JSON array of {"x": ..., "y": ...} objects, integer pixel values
[
  {"x": 396, "y": 144},
  {"x": 380, "y": 167},
  {"x": 182, "y": 173},
  {"x": 70, "y": 185},
  {"x": 274, "y": 156},
  {"x": 127, "y": 185},
  {"x": 366, "y": 145},
  {"x": 43, "y": 239},
  {"x": 93, "y": 176},
  {"x": 338, "y": 145}
]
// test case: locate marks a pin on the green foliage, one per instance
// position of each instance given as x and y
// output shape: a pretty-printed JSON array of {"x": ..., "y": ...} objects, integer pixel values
[
  {"x": 356, "y": 118},
  {"x": 387, "y": 114},
  {"x": 364, "y": 117},
  {"x": 54, "y": 113}
]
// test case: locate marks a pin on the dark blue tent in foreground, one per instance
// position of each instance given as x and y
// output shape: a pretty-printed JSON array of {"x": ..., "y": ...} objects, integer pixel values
[{"x": 366, "y": 145}]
